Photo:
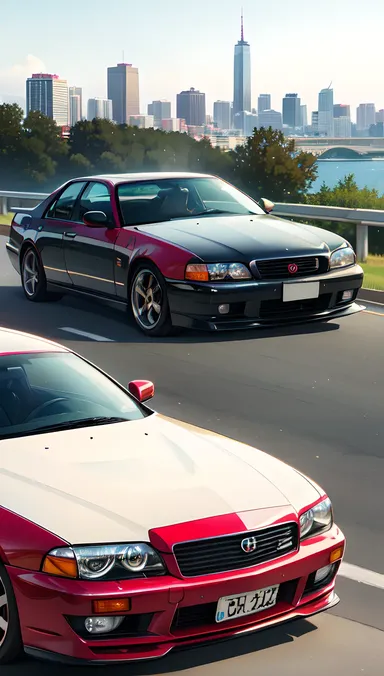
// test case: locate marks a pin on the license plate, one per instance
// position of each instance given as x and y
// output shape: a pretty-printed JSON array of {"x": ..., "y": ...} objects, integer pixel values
[
  {"x": 239, "y": 605},
  {"x": 300, "y": 291}
]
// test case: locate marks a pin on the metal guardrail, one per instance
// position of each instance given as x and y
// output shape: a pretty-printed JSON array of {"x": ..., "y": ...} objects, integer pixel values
[{"x": 361, "y": 218}]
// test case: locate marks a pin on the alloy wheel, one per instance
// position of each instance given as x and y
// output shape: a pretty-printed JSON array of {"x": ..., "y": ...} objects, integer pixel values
[
  {"x": 4, "y": 613},
  {"x": 30, "y": 273},
  {"x": 147, "y": 299}
]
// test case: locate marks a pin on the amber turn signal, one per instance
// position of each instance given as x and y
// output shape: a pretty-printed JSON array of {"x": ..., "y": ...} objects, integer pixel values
[
  {"x": 336, "y": 554},
  {"x": 62, "y": 566},
  {"x": 197, "y": 273},
  {"x": 111, "y": 606}
]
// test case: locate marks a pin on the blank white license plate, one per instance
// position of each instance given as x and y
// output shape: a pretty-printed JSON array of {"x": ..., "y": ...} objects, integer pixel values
[
  {"x": 232, "y": 607},
  {"x": 300, "y": 291}
]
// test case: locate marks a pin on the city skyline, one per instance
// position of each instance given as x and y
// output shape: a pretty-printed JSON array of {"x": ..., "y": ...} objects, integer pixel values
[{"x": 278, "y": 57}]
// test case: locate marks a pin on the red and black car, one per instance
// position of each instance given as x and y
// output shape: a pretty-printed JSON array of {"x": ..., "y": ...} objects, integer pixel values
[{"x": 182, "y": 250}]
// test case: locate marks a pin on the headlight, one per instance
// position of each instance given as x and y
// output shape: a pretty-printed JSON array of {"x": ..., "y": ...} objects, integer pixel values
[
  {"x": 317, "y": 519},
  {"x": 342, "y": 257},
  {"x": 217, "y": 272},
  {"x": 114, "y": 562}
]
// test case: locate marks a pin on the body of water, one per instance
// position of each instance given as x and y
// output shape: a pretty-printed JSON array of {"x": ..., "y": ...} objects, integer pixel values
[{"x": 368, "y": 173}]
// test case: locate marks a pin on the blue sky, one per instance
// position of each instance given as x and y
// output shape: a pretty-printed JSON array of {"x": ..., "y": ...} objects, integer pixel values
[{"x": 297, "y": 46}]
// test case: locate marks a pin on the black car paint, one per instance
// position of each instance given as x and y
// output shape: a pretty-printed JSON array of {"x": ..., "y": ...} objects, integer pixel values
[{"x": 210, "y": 239}]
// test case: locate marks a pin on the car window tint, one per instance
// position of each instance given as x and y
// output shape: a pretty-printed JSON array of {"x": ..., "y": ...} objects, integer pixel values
[
  {"x": 137, "y": 201},
  {"x": 62, "y": 208},
  {"x": 96, "y": 197}
]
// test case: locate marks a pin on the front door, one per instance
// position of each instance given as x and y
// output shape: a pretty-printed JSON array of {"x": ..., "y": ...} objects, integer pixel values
[{"x": 89, "y": 252}]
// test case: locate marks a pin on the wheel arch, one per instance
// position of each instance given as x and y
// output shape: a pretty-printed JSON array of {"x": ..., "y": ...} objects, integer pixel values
[{"x": 28, "y": 244}]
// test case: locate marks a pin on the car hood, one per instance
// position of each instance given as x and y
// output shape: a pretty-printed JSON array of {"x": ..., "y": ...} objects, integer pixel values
[
  {"x": 244, "y": 238},
  {"x": 117, "y": 482}
]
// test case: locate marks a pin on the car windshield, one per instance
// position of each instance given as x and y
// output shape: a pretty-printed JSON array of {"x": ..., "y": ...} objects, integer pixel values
[
  {"x": 51, "y": 391},
  {"x": 155, "y": 201}
]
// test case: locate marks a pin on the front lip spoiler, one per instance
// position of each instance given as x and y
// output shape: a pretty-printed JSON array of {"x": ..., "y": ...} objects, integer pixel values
[
  {"x": 244, "y": 324},
  {"x": 299, "y": 613}
]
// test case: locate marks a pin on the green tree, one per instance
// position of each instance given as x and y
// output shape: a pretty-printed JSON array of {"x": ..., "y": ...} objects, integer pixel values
[{"x": 268, "y": 166}]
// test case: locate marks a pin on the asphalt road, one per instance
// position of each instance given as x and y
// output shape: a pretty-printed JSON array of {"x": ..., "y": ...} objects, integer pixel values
[{"x": 313, "y": 396}]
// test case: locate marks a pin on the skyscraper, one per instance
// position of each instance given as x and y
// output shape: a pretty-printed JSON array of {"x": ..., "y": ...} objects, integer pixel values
[
  {"x": 191, "y": 107},
  {"x": 326, "y": 112},
  {"x": 242, "y": 75},
  {"x": 341, "y": 110},
  {"x": 303, "y": 116},
  {"x": 161, "y": 110},
  {"x": 270, "y": 118},
  {"x": 222, "y": 114},
  {"x": 48, "y": 94},
  {"x": 342, "y": 127},
  {"x": 263, "y": 103},
  {"x": 291, "y": 111},
  {"x": 123, "y": 91},
  {"x": 99, "y": 108},
  {"x": 365, "y": 116},
  {"x": 75, "y": 105}
]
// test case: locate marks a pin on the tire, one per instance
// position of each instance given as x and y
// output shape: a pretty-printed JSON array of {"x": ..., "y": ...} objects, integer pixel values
[
  {"x": 150, "y": 311},
  {"x": 11, "y": 646},
  {"x": 33, "y": 279}
]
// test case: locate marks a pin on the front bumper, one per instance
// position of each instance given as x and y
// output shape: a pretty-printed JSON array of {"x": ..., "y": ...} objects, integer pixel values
[
  {"x": 259, "y": 303},
  {"x": 167, "y": 612}
]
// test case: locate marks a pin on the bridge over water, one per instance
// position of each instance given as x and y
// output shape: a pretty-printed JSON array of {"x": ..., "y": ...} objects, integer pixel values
[{"x": 342, "y": 148}]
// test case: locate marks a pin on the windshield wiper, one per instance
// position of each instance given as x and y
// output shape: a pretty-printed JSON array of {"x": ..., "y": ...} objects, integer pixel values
[
  {"x": 213, "y": 211},
  {"x": 68, "y": 425}
]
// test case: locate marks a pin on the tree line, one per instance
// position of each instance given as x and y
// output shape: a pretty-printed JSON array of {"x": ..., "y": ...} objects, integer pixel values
[{"x": 34, "y": 156}]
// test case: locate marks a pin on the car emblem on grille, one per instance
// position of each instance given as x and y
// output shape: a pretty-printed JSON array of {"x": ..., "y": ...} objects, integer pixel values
[
  {"x": 249, "y": 545},
  {"x": 293, "y": 268}
]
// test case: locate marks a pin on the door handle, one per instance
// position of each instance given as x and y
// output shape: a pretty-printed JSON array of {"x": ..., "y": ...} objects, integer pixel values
[{"x": 70, "y": 234}]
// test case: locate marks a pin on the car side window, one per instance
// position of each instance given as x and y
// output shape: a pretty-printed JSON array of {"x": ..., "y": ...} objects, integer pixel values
[
  {"x": 62, "y": 207},
  {"x": 96, "y": 197}
]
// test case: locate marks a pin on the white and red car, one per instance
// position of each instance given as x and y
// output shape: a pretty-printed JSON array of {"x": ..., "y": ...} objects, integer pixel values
[{"x": 124, "y": 534}]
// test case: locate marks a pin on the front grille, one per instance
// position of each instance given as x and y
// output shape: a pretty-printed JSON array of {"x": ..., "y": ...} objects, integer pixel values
[
  {"x": 217, "y": 555},
  {"x": 278, "y": 268},
  {"x": 277, "y": 309},
  {"x": 205, "y": 614}
]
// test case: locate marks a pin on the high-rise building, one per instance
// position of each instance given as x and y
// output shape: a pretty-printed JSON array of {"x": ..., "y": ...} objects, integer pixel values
[
  {"x": 326, "y": 112},
  {"x": 341, "y": 110},
  {"x": 222, "y": 114},
  {"x": 270, "y": 118},
  {"x": 263, "y": 103},
  {"x": 315, "y": 122},
  {"x": 161, "y": 110},
  {"x": 142, "y": 121},
  {"x": 75, "y": 105},
  {"x": 342, "y": 127},
  {"x": 123, "y": 91},
  {"x": 303, "y": 116},
  {"x": 242, "y": 75},
  {"x": 291, "y": 111},
  {"x": 191, "y": 107},
  {"x": 246, "y": 122},
  {"x": 380, "y": 116},
  {"x": 100, "y": 109},
  {"x": 365, "y": 116},
  {"x": 49, "y": 95}
]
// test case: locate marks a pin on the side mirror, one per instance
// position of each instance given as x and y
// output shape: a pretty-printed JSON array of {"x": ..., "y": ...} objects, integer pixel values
[
  {"x": 266, "y": 205},
  {"x": 142, "y": 390},
  {"x": 95, "y": 219}
]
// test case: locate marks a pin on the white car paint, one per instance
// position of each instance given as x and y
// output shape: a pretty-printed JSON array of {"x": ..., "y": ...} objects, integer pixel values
[{"x": 116, "y": 482}]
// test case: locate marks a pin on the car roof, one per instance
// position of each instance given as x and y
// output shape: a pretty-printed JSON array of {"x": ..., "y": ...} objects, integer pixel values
[
  {"x": 17, "y": 342},
  {"x": 148, "y": 176}
]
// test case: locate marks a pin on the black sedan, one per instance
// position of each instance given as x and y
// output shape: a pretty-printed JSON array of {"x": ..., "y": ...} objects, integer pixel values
[{"x": 182, "y": 250}]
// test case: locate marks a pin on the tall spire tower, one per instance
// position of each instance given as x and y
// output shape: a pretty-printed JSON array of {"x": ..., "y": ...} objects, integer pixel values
[{"x": 242, "y": 75}]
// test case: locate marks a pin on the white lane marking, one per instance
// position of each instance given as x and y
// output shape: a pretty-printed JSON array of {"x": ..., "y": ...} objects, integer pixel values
[
  {"x": 369, "y": 577},
  {"x": 85, "y": 334}
]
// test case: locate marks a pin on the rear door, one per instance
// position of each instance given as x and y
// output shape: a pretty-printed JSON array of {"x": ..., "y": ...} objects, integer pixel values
[
  {"x": 51, "y": 231},
  {"x": 89, "y": 252}
]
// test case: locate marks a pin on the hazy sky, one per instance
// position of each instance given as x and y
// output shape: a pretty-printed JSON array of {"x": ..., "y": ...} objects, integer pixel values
[{"x": 296, "y": 46}]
